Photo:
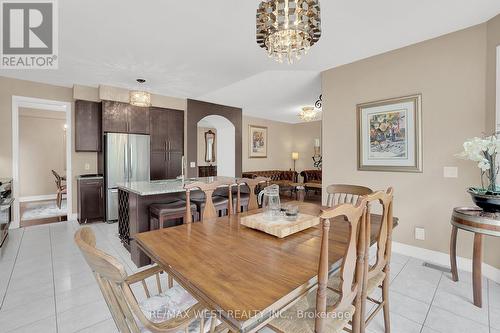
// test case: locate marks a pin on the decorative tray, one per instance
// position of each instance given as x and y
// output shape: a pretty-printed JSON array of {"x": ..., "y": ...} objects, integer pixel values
[{"x": 280, "y": 227}]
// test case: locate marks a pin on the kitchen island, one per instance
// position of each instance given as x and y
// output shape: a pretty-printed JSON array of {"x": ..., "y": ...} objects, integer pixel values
[{"x": 134, "y": 199}]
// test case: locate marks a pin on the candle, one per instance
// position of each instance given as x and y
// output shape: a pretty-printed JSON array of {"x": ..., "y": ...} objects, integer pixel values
[{"x": 316, "y": 142}]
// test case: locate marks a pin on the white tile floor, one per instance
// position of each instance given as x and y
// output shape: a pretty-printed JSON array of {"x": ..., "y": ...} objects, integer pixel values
[{"x": 46, "y": 286}]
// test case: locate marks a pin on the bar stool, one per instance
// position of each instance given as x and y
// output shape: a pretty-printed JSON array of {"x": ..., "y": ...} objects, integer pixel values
[{"x": 175, "y": 209}]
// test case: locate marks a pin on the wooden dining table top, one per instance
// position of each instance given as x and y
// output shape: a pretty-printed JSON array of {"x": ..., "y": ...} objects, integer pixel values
[{"x": 243, "y": 274}]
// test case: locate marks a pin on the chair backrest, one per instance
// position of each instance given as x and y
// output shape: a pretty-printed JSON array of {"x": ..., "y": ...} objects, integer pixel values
[
  {"x": 209, "y": 210},
  {"x": 351, "y": 271},
  {"x": 58, "y": 179},
  {"x": 110, "y": 275},
  {"x": 341, "y": 193},
  {"x": 384, "y": 237},
  {"x": 115, "y": 287},
  {"x": 252, "y": 184}
]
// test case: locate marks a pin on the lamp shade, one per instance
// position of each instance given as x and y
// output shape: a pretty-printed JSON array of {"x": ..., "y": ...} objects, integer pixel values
[{"x": 295, "y": 156}]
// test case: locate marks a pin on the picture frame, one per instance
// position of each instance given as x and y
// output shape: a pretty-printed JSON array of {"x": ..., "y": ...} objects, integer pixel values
[
  {"x": 390, "y": 135},
  {"x": 257, "y": 141}
]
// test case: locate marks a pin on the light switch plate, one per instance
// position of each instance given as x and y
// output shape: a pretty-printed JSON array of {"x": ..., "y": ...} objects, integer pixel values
[
  {"x": 192, "y": 164},
  {"x": 450, "y": 172},
  {"x": 87, "y": 166},
  {"x": 419, "y": 233}
]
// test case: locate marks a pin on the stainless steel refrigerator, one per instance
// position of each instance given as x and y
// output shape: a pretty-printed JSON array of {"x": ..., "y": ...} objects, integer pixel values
[{"x": 126, "y": 160}]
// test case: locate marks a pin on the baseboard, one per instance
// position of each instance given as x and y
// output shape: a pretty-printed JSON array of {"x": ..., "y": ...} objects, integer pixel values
[
  {"x": 443, "y": 259},
  {"x": 39, "y": 198}
]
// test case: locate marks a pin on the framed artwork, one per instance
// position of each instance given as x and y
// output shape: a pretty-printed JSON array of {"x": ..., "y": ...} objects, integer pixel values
[
  {"x": 390, "y": 135},
  {"x": 257, "y": 141}
]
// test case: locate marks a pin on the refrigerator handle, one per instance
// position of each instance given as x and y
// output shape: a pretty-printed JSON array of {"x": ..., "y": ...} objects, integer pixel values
[
  {"x": 131, "y": 163},
  {"x": 125, "y": 164}
]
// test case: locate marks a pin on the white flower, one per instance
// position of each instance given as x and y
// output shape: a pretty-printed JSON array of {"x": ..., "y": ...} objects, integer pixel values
[{"x": 484, "y": 165}]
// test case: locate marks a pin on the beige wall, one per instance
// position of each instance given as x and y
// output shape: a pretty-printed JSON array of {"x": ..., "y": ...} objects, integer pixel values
[
  {"x": 201, "y": 146},
  {"x": 283, "y": 139},
  {"x": 279, "y": 151},
  {"x": 12, "y": 87},
  {"x": 42, "y": 148},
  {"x": 492, "y": 40},
  {"x": 450, "y": 72},
  {"x": 303, "y": 143}
]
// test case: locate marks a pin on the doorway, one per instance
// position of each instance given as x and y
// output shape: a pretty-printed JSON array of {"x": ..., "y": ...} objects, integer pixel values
[
  {"x": 224, "y": 132},
  {"x": 41, "y": 142}
]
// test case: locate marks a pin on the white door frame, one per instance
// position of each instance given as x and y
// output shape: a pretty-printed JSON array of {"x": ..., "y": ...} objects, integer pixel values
[{"x": 42, "y": 104}]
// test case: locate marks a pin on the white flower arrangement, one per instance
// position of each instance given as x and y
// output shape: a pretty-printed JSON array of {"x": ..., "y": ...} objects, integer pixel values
[{"x": 484, "y": 152}]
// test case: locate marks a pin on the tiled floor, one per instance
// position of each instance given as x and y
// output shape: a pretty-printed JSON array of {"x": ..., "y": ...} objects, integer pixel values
[{"x": 45, "y": 286}]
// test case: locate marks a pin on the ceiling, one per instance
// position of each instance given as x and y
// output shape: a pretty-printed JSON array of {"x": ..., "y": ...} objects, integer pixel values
[{"x": 207, "y": 50}]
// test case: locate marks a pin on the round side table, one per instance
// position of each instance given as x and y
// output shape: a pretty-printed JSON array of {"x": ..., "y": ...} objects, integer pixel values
[{"x": 480, "y": 223}]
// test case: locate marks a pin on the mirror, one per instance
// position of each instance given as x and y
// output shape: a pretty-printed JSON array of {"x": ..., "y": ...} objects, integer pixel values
[{"x": 210, "y": 147}]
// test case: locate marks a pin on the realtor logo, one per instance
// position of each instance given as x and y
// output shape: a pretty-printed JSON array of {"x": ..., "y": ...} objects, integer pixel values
[{"x": 29, "y": 34}]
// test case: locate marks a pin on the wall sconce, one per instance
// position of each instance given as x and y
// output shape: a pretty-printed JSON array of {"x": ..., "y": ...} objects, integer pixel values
[{"x": 295, "y": 157}]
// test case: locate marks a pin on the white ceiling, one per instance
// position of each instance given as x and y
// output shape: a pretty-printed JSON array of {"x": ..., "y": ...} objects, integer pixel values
[{"x": 207, "y": 50}]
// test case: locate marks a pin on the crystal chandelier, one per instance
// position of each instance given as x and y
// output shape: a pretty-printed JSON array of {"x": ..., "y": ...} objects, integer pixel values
[
  {"x": 309, "y": 113},
  {"x": 288, "y": 28},
  {"x": 140, "y": 97}
]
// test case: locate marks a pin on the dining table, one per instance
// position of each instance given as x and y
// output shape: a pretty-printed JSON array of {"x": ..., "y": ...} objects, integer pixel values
[{"x": 243, "y": 275}]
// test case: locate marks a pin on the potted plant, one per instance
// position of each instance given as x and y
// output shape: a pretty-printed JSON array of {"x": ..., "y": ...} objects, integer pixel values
[{"x": 484, "y": 152}]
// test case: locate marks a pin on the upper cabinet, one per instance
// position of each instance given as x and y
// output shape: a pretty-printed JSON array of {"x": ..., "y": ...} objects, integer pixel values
[
  {"x": 120, "y": 117},
  {"x": 88, "y": 133},
  {"x": 167, "y": 143}
]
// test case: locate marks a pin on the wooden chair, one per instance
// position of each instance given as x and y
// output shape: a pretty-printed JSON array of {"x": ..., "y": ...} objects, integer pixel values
[
  {"x": 378, "y": 274},
  {"x": 330, "y": 310},
  {"x": 248, "y": 201},
  {"x": 61, "y": 188},
  {"x": 208, "y": 209},
  {"x": 340, "y": 194},
  {"x": 172, "y": 310}
]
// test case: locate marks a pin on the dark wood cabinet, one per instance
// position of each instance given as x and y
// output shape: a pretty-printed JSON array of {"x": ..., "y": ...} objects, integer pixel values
[
  {"x": 90, "y": 199},
  {"x": 207, "y": 171},
  {"x": 167, "y": 143},
  {"x": 88, "y": 126},
  {"x": 118, "y": 117}
]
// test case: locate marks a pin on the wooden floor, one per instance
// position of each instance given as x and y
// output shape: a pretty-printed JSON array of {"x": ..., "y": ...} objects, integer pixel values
[{"x": 29, "y": 223}]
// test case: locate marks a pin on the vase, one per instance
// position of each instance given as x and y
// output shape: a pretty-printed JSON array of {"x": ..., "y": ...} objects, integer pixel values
[{"x": 487, "y": 200}]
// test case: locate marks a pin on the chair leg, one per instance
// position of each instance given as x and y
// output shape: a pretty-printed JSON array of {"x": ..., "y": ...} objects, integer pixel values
[{"x": 385, "y": 299}]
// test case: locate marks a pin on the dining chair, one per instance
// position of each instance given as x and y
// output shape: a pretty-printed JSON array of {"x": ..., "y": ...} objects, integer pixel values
[
  {"x": 61, "y": 188},
  {"x": 170, "y": 310},
  {"x": 208, "y": 203},
  {"x": 378, "y": 274},
  {"x": 248, "y": 201},
  {"x": 342, "y": 193},
  {"x": 331, "y": 310}
]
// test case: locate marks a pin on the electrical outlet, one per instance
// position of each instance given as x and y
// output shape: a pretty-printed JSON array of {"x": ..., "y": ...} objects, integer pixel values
[
  {"x": 87, "y": 166},
  {"x": 450, "y": 172},
  {"x": 192, "y": 164},
  {"x": 419, "y": 233}
]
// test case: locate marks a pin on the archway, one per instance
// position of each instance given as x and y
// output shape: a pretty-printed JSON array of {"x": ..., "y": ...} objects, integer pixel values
[{"x": 225, "y": 143}]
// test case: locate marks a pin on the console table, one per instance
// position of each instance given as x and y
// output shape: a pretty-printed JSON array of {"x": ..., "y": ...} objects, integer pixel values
[{"x": 480, "y": 223}]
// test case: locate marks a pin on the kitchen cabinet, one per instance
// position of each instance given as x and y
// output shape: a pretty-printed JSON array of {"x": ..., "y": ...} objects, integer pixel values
[
  {"x": 118, "y": 117},
  {"x": 167, "y": 143},
  {"x": 88, "y": 126},
  {"x": 90, "y": 199}
]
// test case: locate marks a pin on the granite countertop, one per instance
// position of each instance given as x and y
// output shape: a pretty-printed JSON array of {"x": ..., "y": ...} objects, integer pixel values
[
  {"x": 145, "y": 188},
  {"x": 90, "y": 177}
]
